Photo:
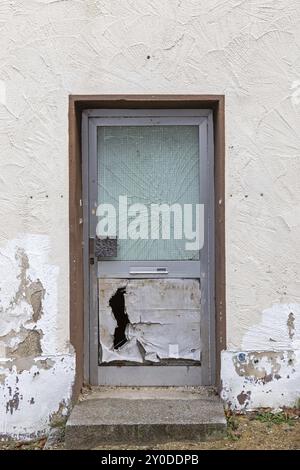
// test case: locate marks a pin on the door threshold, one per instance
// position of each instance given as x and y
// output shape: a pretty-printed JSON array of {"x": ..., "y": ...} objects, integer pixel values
[{"x": 149, "y": 392}]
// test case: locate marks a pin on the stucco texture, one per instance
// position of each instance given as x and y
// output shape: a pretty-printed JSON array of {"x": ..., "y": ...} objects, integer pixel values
[{"x": 247, "y": 50}]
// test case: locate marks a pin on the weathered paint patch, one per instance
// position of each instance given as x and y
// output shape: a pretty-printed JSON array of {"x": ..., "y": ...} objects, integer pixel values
[
  {"x": 29, "y": 295},
  {"x": 243, "y": 397},
  {"x": 29, "y": 346},
  {"x": 266, "y": 372},
  {"x": 35, "y": 378},
  {"x": 34, "y": 397},
  {"x": 279, "y": 328},
  {"x": 264, "y": 379},
  {"x": 291, "y": 325},
  {"x": 149, "y": 320}
]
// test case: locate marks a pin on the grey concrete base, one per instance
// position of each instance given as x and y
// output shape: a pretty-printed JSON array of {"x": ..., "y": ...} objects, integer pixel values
[{"x": 144, "y": 416}]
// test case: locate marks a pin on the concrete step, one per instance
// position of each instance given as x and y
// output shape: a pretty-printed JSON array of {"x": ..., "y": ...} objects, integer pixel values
[{"x": 144, "y": 415}]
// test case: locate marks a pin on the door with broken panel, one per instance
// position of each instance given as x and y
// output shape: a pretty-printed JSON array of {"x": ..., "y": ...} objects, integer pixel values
[{"x": 151, "y": 292}]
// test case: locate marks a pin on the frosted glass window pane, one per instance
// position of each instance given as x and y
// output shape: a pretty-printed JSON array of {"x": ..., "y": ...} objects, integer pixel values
[{"x": 149, "y": 165}]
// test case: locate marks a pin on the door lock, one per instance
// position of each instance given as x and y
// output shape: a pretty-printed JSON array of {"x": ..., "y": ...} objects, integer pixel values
[{"x": 103, "y": 247}]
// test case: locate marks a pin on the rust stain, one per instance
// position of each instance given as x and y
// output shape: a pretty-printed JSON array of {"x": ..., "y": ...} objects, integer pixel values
[
  {"x": 35, "y": 294},
  {"x": 243, "y": 397},
  {"x": 291, "y": 325},
  {"x": 262, "y": 367},
  {"x": 268, "y": 378},
  {"x": 253, "y": 366}
]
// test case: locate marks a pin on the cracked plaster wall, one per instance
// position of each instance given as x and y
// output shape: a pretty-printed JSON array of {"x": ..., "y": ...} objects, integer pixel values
[{"x": 248, "y": 51}]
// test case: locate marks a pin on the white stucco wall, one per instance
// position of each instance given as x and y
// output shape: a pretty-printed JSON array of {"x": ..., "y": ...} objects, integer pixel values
[{"x": 249, "y": 51}]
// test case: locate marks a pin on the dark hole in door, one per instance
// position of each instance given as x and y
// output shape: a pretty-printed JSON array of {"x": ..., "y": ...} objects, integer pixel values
[{"x": 117, "y": 304}]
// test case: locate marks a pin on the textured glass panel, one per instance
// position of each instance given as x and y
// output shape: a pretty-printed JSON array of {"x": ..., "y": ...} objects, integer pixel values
[{"x": 149, "y": 165}]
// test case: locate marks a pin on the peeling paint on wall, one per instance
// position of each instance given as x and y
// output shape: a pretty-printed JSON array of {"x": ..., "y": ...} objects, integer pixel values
[
  {"x": 264, "y": 379},
  {"x": 291, "y": 325},
  {"x": 34, "y": 395},
  {"x": 279, "y": 328},
  {"x": 266, "y": 372},
  {"x": 29, "y": 346},
  {"x": 248, "y": 51},
  {"x": 34, "y": 376},
  {"x": 149, "y": 320},
  {"x": 29, "y": 294}
]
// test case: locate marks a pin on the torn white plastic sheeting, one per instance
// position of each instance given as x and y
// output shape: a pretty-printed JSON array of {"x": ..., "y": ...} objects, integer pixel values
[
  {"x": 164, "y": 320},
  {"x": 173, "y": 350}
]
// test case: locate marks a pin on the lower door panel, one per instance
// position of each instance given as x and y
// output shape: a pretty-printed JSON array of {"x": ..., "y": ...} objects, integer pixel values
[{"x": 152, "y": 327}]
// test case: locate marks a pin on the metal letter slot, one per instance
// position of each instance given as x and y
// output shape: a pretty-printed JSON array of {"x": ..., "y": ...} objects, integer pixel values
[{"x": 148, "y": 270}]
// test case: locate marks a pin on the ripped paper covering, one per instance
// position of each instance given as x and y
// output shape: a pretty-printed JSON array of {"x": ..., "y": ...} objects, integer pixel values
[{"x": 164, "y": 319}]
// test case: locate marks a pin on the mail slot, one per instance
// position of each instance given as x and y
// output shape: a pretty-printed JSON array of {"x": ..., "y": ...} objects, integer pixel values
[{"x": 148, "y": 270}]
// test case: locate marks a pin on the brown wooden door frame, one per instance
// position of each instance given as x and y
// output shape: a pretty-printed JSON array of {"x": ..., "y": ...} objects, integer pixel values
[{"x": 78, "y": 103}]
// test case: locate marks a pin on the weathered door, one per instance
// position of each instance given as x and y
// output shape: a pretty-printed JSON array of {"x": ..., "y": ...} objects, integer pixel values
[{"x": 149, "y": 215}]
